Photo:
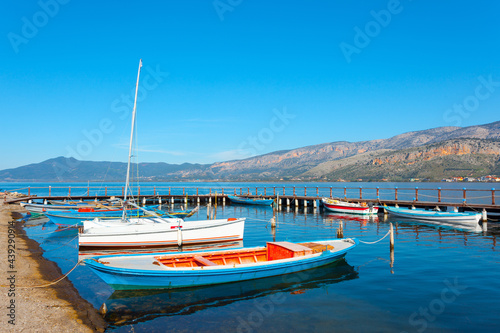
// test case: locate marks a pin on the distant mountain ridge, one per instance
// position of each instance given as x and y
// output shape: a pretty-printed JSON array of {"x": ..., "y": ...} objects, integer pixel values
[{"x": 327, "y": 161}]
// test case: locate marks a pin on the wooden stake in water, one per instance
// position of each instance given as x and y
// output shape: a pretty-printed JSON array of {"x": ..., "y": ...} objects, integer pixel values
[
  {"x": 340, "y": 231},
  {"x": 391, "y": 243}
]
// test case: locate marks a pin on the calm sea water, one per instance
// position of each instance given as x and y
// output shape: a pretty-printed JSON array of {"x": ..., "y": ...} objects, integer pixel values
[{"x": 441, "y": 280}]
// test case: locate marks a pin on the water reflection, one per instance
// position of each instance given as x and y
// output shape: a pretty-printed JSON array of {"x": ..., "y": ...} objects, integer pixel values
[{"x": 132, "y": 306}]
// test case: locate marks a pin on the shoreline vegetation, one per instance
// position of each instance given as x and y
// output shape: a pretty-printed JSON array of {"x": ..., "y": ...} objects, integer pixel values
[{"x": 58, "y": 307}]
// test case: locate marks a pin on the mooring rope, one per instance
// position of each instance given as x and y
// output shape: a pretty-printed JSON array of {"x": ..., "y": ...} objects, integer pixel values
[
  {"x": 47, "y": 284},
  {"x": 387, "y": 234}
]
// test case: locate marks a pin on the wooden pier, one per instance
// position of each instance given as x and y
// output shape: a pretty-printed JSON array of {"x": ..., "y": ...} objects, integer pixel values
[{"x": 297, "y": 197}]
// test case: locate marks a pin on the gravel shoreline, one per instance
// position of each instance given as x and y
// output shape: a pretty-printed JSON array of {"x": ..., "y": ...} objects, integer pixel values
[{"x": 56, "y": 308}]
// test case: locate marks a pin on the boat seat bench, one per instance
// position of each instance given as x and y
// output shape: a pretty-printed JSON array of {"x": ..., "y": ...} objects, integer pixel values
[{"x": 204, "y": 261}]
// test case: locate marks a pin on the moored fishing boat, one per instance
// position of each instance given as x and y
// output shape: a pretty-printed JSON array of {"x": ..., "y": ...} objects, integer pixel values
[
  {"x": 348, "y": 207},
  {"x": 167, "y": 271},
  {"x": 158, "y": 231},
  {"x": 42, "y": 208},
  {"x": 250, "y": 200},
  {"x": 465, "y": 218},
  {"x": 75, "y": 218}
]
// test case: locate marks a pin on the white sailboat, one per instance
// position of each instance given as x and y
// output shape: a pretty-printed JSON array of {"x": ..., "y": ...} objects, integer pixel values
[{"x": 155, "y": 231}]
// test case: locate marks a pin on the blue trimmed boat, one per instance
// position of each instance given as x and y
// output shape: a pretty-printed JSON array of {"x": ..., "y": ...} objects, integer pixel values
[
  {"x": 75, "y": 218},
  {"x": 250, "y": 200},
  {"x": 465, "y": 218},
  {"x": 198, "y": 268}
]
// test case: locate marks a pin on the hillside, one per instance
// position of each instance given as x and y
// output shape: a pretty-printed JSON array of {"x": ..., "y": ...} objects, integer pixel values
[{"x": 430, "y": 154}]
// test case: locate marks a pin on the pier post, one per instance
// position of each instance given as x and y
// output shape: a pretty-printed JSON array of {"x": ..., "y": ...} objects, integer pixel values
[
  {"x": 265, "y": 190},
  {"x": 183, "y": 191},
  {"x": 69, "y": 191},
  {"x": 294, "y": 191},
  {"x": 493, "y": 196},
  {"x": 331, "y": 192},
  {"x": 360, "y": 192},
  {"x": 345, "y": 192},
  {"x": 169, "y": 191},
  {"x": 223, "y": 201},
  {"x": 210, "y": 199},
  {"x": 159, "y": 200},
  {"x": 283, "y": 190},
  {"x": 287, "y": 202},
  {"x": 144, "y": 201},
  {"x": 378, "y": 192},
  {"x": 416, "y": 193},
  {"x": 484, "y": 215},
  {"x": 198, "y": 201},
  {"x": 154, "y": 191},
  {"x": 439, "y": 194},
  {"x": 256, "y": 190},
  {"x": 29, "y": 191},
  {"x": 88, "y": 191},
  {"x": 315, "y": 203},
  {"x": 106, "y": 191},
  {"x": 172, "y": 200},
  {"x": 305, "y": 203},
  {"x": 274, "y": 191},
  {"x": 465, "y": 195},
  {"x": 396, "y": 193},
  {"x": 296, "y": 203},
  {"x": 317, "y": 191},
  {"x": 123, "y": 191},
  {"x": 305, "y": 191},
  {"x": 186, "y": 201}
]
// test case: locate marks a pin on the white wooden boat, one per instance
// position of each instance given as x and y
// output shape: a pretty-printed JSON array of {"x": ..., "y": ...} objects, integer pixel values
[
  {"x": 156, "y": 230},
  {"x": 146, "y": 232},
  {"x": 348, "y": 207},
  {"x": 465, "y": 218}
]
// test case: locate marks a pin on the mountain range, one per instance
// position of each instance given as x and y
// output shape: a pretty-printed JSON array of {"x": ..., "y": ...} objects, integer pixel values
[{"x": 430, "y": 154}]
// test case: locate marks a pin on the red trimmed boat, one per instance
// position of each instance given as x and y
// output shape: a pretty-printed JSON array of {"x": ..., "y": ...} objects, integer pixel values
[{"x": 349, "y": 207}]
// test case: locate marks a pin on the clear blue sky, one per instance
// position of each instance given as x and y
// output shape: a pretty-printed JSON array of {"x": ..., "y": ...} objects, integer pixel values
[{"x": 244, "y": 77}]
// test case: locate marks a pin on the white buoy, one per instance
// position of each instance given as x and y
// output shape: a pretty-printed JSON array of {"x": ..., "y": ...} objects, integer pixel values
[{"x": 485, "y": 215}]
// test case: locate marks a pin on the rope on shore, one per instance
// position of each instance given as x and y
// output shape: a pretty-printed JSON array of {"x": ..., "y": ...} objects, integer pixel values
[
  {"x": 387, "y": 234},
  {"x": 50, "y": 283}
]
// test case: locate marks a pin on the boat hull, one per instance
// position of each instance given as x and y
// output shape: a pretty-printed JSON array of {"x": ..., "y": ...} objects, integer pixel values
[
  {"x": 348, "y": 208},
  {"x": 124, "y": 278},
  {"x": 450, "y": 217},
  {"x": 156, "y": 232},
  {"x": 250, "y": 201}
]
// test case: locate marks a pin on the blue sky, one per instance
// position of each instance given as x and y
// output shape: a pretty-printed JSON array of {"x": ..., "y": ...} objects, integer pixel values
[{"x": 228, "y": 79}]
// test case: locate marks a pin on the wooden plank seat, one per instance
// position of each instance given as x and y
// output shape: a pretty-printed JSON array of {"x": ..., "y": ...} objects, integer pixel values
[{"x": 203, "y": 261}]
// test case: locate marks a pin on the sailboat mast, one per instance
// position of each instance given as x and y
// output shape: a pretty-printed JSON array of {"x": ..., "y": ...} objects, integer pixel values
[{"x": 132, "y": 135}]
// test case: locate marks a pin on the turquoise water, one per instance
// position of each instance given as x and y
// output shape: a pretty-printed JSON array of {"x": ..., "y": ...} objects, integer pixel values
[{"x": 441, "y": 280}]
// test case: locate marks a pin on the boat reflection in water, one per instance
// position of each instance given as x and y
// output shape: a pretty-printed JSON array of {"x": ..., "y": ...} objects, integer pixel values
[{"x": 125, "y": 307}]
